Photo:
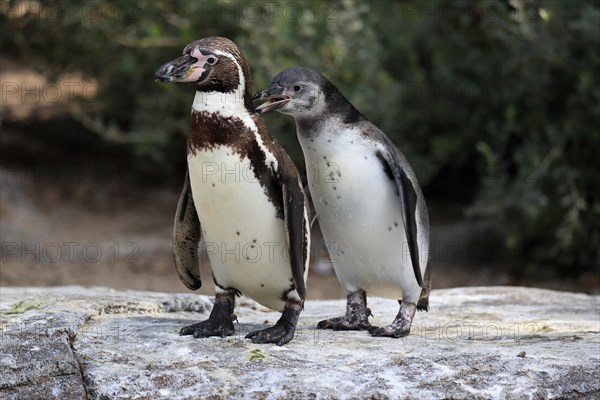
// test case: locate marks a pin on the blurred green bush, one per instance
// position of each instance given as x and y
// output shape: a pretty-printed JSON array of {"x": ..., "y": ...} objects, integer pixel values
[{"x": 496, "y": 103}]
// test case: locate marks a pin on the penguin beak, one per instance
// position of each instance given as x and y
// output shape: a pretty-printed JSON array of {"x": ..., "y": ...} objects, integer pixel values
[
  {"x": 182, "y": 69},
  {"x": 273, "y": 97}
]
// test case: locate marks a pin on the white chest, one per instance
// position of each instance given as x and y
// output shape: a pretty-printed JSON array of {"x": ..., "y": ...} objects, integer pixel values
[
  {"x": 345, "y": 177},
  {"x": 245, "y": 241},
  {"x": 359, "y": 213}
]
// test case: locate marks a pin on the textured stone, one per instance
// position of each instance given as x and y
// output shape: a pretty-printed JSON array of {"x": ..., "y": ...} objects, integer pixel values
[{"x": 488, "y": 343}]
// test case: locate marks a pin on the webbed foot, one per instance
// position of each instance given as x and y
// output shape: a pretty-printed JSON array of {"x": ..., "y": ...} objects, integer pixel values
[
  {"x": 210, "y": 327},
  {"x": 401, "y": 325},
  {"x": 220, "y": 322},
  {"x": 283, "y": 331},
  {"x": 356, "y": 318}
]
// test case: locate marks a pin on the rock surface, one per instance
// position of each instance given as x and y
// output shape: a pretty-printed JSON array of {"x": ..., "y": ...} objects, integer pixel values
[{"x": 488, "y": 343}]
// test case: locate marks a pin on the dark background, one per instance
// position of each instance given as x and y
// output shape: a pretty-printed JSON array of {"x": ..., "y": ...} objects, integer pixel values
[{"x": 495, "y": 103}]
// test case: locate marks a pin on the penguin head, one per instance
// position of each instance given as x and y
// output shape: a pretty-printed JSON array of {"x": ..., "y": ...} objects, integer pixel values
[
  {"x": 209, "y": 64},
  {"x": 298, "y": 91}
]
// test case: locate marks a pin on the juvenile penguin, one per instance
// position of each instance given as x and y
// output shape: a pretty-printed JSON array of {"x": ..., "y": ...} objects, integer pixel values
[
  {"x": 370, "y": 207},
  {"x": 242, "y": 195}
]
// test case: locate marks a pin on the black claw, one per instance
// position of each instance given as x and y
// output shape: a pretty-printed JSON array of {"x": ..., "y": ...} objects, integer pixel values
[
  {"x": 185, "y": 331},
  {"x": 325, "y": 324},
  {"x": 286, "y": 338}
]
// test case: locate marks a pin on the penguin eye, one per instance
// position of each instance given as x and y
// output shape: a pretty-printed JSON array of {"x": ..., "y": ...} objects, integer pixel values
[
  {"x": 211, "y": 60},
  {"x": 297, "y": 88}
]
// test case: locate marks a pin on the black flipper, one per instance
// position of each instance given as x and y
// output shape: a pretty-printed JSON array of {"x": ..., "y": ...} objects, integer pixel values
[
  {"x": 186, "y": 237},
  {"x": 408, "y": 198},
  {"x": 296, "y": 227}
]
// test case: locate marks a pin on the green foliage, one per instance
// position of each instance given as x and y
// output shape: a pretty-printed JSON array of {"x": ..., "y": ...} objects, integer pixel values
[
  {"x": 509, "y": 101},
  {"x": 256, "y": 354},
  {"x": 21, "y": 307},
  {"x": 496, "y": 103}
]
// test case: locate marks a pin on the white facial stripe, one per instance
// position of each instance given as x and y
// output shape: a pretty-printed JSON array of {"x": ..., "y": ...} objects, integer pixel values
[{"x": 232, "y": 105}]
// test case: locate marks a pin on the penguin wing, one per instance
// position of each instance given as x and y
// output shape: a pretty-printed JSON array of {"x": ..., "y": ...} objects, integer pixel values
[
  {"x": 297, "y": 227},
  {"x": 186, "y": 237},
  {"x": 398, "y": 166},
  {"x": 310, "y": 206}
]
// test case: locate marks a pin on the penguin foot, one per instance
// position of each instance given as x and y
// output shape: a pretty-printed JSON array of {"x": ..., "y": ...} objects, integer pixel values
[
  {"x": 279, "y": 334},
  {"x": 210, "y": 327},
  {"x": 401, "y": 325},
  {"x": 393, "y": 330},
  {"x": 220, "y": 322},
  {"x": 356, "y": 318},
  {"x": 283, "y": 331},
  {"x": 345, "y": 323}
]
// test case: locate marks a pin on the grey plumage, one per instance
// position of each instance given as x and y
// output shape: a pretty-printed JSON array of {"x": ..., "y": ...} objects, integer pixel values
[{"x": 372, "y": 192}]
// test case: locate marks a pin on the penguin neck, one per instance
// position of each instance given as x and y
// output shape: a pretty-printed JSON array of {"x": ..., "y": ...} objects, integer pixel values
[
  {"x": 221, "y": 117},
  {"x": 337, "y": 106},
  {"x": 225, "y": 119},
  {"x": 337, "y": 114},
  {"x": 214, "y": 108},
  {"x": 230, "y": 104},
  {"x": 311, "y": 126},
  {"x": 227, "y": 104}
]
